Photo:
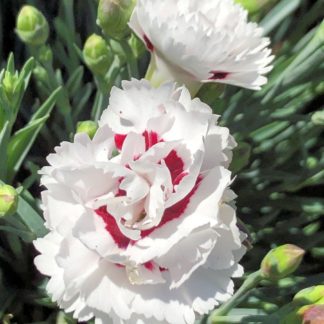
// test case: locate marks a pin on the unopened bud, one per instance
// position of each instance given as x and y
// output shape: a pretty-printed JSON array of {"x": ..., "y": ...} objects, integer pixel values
[
  {"x": 97, "y": 55},
  {"x": 309, "y": 295},
  {"x": 9, "y": 83},
  {"x": 312, "y": 314},
  {"x": 113, "y": 17},
  {"x": 89, "y": 127},
  {"x": 45, "y": 54},
  {"x": 281, "y": 261},
  {"x": 137, "y": 46},
  {"x": 32, "y": 26},
  {"x": 318, "y": 118},
  {"x": 8, "y": 200}
]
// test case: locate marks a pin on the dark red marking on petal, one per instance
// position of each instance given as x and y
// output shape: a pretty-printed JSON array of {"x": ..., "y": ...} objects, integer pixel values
[
  {"x": 151, "y": 138},
  {"x": 178, "y": 179},
  {"x": 175, "y": 164},
  {"x": 148, "y": 43},
  {"x": 149, "y": 265},
  {"x": 111, "y": 226},
  {"x": 218, "y": 75},
  {"x": 163, "y": 269},
  {"x": 174, "y": 211},
  {"x": 119, "y": 140}
]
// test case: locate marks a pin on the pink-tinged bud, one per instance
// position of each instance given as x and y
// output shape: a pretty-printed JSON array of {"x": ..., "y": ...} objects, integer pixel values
[
  {"x": 312, "y": 314},
  {"x": 281, "y": 261},
  {"x": 8, "y": 200}
]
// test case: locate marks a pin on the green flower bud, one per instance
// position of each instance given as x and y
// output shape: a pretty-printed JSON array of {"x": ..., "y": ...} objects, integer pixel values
[
  {"x": 113, "y": 17},
  {"x": 137, "y": 46},
  {"x": 41, "y": 74},
  {"x": 281, "y": 261},
  {"x": 311, "y": 162},
  {"x": 8, "y": 200},
  {"x": 89, "y": 127},
  {"x": 45, "y": 54},
  {"x": 318, "y": 118},
  {"x": 9, "y": 83},
  {"x": 97, "y": 55},
  {"x": 32, "y": 26},
  {"x": 309, "y": 295}
]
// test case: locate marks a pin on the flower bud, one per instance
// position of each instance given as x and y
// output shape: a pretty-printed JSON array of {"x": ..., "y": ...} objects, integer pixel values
[
  {"x": 137, "y": 46},
  {"x": 312, "y": 314},
  {"x": 40, "y": 74},
  {"x": 8, "y": 200},
  {"x": 318, "y": 118},
  {"x": 9, "y": 83},
  {"x": 310, "y": 295},
  {"x": 281, "y": 261},
  {"x": 89, "y": 127},
  {"x": 32, "y": 26},
  {"x": 113, "y": 17},
  {"x": 45, "y": 54},
  {"x": 97, "y": 55}
]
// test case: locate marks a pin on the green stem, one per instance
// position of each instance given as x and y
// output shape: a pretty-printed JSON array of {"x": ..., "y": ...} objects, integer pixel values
[
  {"x": 63, "y": 101},
  {"x": 130, "y": 59},
  {"x": 252, "y": 281},
  {"x": 98, "y": 106}
]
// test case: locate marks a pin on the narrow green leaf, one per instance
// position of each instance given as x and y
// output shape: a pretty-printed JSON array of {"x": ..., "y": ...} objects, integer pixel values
[
  {"x": 25, "y": 73},
  {"x": 304, "y": 65},
  {"x": 6, "y": 298},
  {"x": 24, "y": 235},
  {"x": 11, "y": 63},
  {"x": 47, "y": 106},
  {"x": 4, "y": 138},
  {"x": 74, "y": 82},
  {"x": 20, "y": 144},
  {"x": 282, "y": 10},
  {"x": 268, "y": 131},
  {"x": 31, "y": 217}
]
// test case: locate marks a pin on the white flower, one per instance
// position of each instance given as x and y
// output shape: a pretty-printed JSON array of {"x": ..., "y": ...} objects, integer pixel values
[
  {"x": 199, "y": 41},
  {"x": 142, "y": 228}
]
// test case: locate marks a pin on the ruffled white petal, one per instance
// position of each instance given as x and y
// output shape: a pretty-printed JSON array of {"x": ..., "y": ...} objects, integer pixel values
[{"x": 202, "y": 41}]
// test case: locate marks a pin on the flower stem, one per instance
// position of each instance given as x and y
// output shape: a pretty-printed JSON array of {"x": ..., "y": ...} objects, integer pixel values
[{"x": 252, "y": 281}]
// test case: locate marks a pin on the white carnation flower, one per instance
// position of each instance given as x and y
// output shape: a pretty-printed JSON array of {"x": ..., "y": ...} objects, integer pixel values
[
  {"x": 142, "y": 228},
  {"x": 199, "y": 41}
]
